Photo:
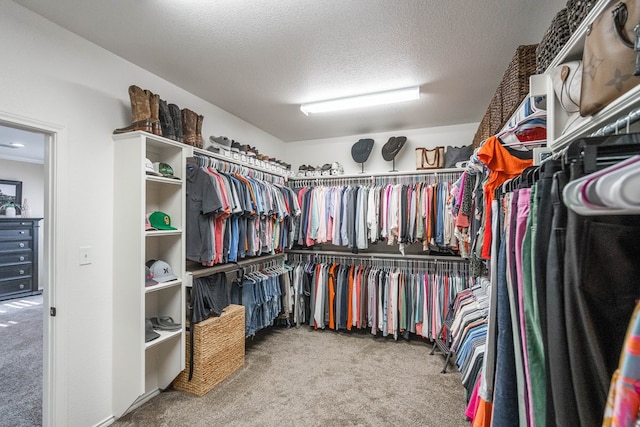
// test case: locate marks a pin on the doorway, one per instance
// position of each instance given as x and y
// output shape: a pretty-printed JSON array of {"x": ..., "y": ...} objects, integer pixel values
[{"x": 27, "y": 151}]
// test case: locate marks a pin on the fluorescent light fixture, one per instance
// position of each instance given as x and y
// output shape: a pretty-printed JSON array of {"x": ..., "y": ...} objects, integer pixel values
[
  {"x": 367, "y": 100},
  {"x": 12, "y": 145}
]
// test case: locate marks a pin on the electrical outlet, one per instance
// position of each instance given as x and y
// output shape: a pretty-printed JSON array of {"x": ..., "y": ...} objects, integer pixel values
[{"x": 85, "y": 255}]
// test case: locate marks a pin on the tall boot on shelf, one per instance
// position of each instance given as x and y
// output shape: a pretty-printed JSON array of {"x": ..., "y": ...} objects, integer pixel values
[
  {"x": 189, "y": 123},
  {"x": 176, "y": 116},
  {"x": 140, "y": 111},
  {"x": 199, "y": 121},
  {"x": 154, "y": 107},
  {"x": 166, "y": 122}
]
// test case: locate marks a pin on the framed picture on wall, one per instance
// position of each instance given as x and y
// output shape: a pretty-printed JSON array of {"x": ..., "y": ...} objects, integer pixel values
[{"x": 10, "y": 192}]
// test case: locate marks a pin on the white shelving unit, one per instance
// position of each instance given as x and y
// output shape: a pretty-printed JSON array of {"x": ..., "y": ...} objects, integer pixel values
[
  {"x": 557, "y": 118},
  {"x": 141, "y": 370}
]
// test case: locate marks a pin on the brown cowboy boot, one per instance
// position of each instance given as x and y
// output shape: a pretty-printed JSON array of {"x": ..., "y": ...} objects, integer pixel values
[
  {"x": 140, "y": 111},
  {"x": 199, "y": 121},
  {"x": 154, "y": 108},
  {"x": 189, "y": 123}
]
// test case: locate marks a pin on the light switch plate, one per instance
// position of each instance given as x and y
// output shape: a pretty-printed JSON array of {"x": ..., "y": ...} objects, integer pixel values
[{"x": 85, "y": 255}]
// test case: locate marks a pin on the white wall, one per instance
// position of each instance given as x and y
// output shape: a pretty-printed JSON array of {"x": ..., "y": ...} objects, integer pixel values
[
  {"x": 317, "y": 152},
  {"x": 32, "y": 177},
  {"x": 51, "y": 75}
]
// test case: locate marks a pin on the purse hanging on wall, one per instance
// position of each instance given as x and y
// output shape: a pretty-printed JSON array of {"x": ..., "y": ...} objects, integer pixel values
[
  {"x": 610, "y": 65},
  {"x": 429, "y": 158}
]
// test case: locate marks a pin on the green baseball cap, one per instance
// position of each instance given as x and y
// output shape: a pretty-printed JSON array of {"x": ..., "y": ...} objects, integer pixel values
[
  {"x": 161, "y": 221},
  {"x": 164, "y": 169}
]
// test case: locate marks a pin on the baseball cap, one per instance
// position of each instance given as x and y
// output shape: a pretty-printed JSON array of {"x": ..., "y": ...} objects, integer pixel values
[
  {"x": 147, "y": 224},
  {"x": 161, "y": 271},
  {"x": 148, "y": 166},
  {"x": 164, "y": 169},
  {"x": 159, "y": 221},
  {"x": 148, "y": 277}
]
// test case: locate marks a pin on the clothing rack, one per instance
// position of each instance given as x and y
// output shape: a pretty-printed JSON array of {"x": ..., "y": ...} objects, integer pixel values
[
  {"x": 623, "y": 122},
  {"x": 221, "y": 163},
  {"x": 379, "y": 260},
  {"x": 263, "y": 261},
  {"x": 450, "y": 174}
]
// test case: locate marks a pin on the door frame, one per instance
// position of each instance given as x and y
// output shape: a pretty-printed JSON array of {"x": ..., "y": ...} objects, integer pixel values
[{"x": 54, "y": 396}]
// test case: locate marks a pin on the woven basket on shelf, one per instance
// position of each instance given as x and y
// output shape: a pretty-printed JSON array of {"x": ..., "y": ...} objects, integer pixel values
[
  {"x": 218, "y": 351},
  {"x": 515, "y": 82},
  {"x": 495, "y": 109},
  {"x": 577, "y": 10},
  {"x": 484, "y": 130},
  {"x": 512, "y": 89},
  {"x": 553, "y": 40}
]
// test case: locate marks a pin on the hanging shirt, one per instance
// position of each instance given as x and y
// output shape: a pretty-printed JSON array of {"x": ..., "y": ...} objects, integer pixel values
[{"x": 503, "y": 166}]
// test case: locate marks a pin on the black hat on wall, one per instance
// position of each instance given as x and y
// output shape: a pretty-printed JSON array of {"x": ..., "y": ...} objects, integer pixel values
[
  {"x": 360, "y": 150},
  {"x": 391, "y": 149}
]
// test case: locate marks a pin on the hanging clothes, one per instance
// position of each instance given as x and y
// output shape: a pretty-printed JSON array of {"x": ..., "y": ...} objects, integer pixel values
[
  {"x": 391, "y": 301},
  {"x": 356, "y": 216},
  {"x": 232, "y": 216},
  {"x": 265, "y": 294}
]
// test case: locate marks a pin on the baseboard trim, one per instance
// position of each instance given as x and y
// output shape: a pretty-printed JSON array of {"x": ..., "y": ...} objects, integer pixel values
[
  {"x": 143, "y": 399},
  {"x": 106, "y": 422}
]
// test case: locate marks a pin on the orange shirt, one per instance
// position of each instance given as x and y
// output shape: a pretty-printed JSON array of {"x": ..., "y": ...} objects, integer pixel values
[
  {"x": 332, "y": 295},
  {"x": 349, "y": 304},
  {"x": 503, "y": 166}
]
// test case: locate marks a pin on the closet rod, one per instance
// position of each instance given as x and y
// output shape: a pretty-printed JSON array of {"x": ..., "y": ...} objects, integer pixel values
[
  {"x": 377, "y": 174},
  {"x": 208, "y": 153},
  {"x": 223, "y": 268},
  {"x": 373, "y": 256},
  {"x": 621, "y": 123}
]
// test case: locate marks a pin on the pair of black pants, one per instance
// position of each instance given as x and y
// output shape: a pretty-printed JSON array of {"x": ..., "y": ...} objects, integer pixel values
[
  {"x": 600, "y": 292},
  {"x": 563, "y": 411}
]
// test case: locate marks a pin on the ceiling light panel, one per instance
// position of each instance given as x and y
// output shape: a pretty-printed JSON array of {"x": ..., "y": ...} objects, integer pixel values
[{"x": 361, "y": 101}]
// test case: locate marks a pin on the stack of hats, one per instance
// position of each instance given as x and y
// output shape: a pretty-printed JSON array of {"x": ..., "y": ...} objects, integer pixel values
[{"x": 159, "y": 169}]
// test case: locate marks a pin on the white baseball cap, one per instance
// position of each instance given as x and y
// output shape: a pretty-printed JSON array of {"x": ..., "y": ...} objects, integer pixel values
[
  {"x": 148, "y": 166},
  {"x": 161, "y": 271}
]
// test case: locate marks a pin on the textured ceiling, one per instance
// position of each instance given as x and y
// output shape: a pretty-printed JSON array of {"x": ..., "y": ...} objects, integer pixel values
[{"x": 260, "y": 59}]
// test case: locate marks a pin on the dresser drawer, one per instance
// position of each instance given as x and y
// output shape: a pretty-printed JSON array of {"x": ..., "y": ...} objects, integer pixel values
[
  {"x": 15, "y": 257},
  {"x": 15, "y": 233},
  {"x": 14, "y": 286},
  {"x": 15, "y": 245},
  {"x": 15, "y": 271}
]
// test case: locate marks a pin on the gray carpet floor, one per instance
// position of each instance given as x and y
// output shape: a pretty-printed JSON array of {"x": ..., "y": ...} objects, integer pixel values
[
  {"x": 21, "y": 362},
  {"x": 320, "y": 378}
]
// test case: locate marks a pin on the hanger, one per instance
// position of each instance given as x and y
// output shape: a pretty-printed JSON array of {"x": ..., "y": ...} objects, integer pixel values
[{"x": 625, "y": 200}]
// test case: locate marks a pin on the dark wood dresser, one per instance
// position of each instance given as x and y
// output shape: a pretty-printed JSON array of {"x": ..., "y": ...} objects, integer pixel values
[{"x": 18, "y": 257}]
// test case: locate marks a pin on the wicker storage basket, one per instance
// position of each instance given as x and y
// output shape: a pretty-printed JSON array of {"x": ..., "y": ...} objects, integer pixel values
[
  {"x": 484, "y": 130},
  {"x": 512, "y": 89},
  {"x": 553, "y": 40},
  {"x": 515, "y": 82},
  {"x": 218, "y": 351},
  {"x": 577, "y": 10},
  {"x": 495, "y": 109}
]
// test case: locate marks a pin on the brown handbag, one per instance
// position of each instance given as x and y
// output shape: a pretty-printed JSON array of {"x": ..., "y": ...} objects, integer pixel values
[
  {"x": 609, "y": 60},
  {"x": 429, "y": 158}
]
